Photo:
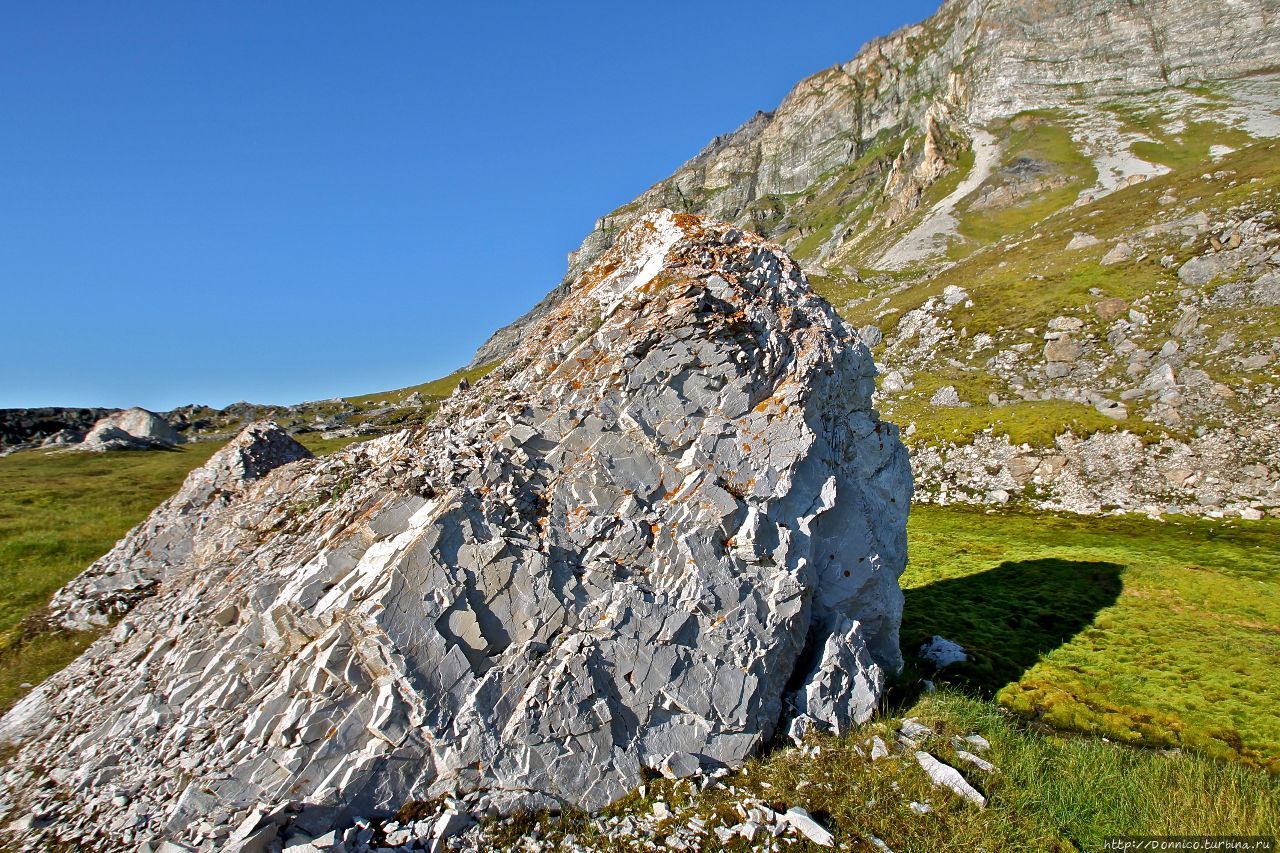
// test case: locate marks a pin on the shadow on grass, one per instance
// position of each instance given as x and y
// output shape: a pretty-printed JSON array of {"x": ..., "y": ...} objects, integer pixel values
[{"x": 1006, "y": 618}]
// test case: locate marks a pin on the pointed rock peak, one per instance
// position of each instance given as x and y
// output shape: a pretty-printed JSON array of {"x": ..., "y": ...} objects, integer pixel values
[
  {"x": 258, "y": 449},
  {"x": 669, "y": 524}
]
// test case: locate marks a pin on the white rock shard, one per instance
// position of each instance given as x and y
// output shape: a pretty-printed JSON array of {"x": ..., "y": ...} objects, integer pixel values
[
  {"x": 800, "y": 820},
  {"x": 946, "y": 776},
  {"x": 670, "y": 506}
]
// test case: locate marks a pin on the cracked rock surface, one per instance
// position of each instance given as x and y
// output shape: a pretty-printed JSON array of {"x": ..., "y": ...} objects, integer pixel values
[
  {"x": 667, "y": 527},
  {"x": 169, "y": 539}
]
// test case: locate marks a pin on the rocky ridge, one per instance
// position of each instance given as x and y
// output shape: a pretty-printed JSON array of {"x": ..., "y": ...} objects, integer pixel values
[
  {"x": 68, "y": 428},
  {"x": 668, "y": 526},
  {"x": 25, "y": 428}
]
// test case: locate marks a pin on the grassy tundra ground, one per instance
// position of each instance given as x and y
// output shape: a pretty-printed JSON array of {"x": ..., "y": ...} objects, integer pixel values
[{"x": 1126, "y": 671}]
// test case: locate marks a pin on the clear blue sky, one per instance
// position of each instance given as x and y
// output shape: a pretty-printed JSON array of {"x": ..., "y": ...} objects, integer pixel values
[{"x": 282, "y": 201}]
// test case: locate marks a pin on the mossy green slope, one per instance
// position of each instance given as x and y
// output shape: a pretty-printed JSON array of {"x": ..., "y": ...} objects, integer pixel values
[{"x": 1021, "y": 281}]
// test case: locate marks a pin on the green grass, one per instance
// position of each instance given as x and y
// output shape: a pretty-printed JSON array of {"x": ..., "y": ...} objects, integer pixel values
[
  {"x": 1034, "y": 422},
  {"x": 1139, "y": 633},
  {"x": 1041, "y": 136},
  {"x": 321, "y": 446},
  {"x": 1188, "y": 149},
  {"x": 432, "y": 393},
  {"x": 435, "y": 390},
  {"x": 1157, "y": 633}
]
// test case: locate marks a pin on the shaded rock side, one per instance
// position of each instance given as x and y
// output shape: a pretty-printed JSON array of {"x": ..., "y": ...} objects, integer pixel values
[
  {"x": 167, "y": 540},
  {"x": 638, "y": 542}
]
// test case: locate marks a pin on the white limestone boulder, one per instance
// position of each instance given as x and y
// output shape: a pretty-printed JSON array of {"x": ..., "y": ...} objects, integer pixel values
[
  {"x": 131, "y": 429},
  {"x": 660, "y": 529}
]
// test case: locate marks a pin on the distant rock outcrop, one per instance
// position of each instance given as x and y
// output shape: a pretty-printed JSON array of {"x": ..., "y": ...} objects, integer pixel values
[
  {"x": 132, "y": 429},
  {"x": 23, "y": 428},
  {"x": 670, "y": 524}
]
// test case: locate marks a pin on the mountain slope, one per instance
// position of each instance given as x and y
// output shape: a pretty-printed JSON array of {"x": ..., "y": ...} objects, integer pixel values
[{"x": 979, "y": 142}]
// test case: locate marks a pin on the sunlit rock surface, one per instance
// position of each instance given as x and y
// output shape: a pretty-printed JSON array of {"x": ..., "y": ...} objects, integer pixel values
[{"x": 668, "y": 527}]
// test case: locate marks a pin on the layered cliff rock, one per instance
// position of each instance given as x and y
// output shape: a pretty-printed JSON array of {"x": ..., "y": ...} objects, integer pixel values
[{"x": 668, "y": 525}]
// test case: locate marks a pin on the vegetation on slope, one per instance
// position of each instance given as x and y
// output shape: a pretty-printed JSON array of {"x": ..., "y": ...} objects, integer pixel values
[{"x": 1020, "y": 282}]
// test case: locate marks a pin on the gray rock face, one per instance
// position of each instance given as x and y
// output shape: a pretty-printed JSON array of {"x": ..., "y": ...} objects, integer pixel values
[
  {"x": 132, "y": 429},
  {"x": 946, "y": 776},
  {"x": 168, "y": 540},
  {"x": 663, "y": 528}
]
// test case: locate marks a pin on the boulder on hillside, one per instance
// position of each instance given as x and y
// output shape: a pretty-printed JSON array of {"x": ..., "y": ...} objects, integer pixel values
[
  {"x": 1110, "y": 309},
  {"x": 131, "y": 429},
  {"x": 670, "y": 525},
  {"x": 63, "y": 438}
]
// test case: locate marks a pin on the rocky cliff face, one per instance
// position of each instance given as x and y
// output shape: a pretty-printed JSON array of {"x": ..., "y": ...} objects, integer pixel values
[
  {"x": 669, "y": 525},
  {"x": 974, "y": 139}
]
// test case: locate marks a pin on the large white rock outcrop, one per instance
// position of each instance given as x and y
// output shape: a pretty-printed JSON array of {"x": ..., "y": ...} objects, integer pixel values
[
  {"x": 667, "y": 525},
  {"x": 131, "y": 429}
]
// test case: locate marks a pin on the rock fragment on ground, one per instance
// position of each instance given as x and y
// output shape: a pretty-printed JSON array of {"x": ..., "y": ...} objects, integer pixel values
[{"x": 945, "y": 776}]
